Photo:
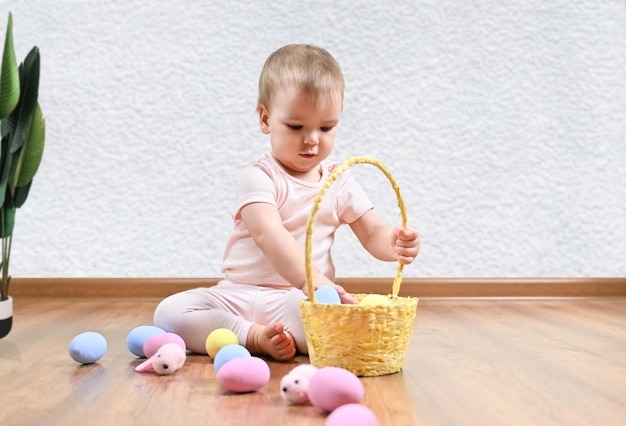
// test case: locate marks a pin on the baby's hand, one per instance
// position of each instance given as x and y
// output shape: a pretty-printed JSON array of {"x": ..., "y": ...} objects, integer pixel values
[
  {"x": 346, "y": 298},
  {"x": 319, "y": 279},
  {"x": 405, "y": 244}
]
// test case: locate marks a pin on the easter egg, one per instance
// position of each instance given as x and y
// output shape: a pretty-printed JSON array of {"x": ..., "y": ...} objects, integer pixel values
[
  {"x": 154, "y": 342},
  {"x": 138, "y": 336},
  {"x": 219, "y": 338},
  {"x": 246, "y": 374},
  {"x": 352, "y": 415},
  {"x": 332, "y": 387},
  {"x": 327, "y": 294},
  {"x": 229, "y": 353},
  {"x": 88, "y": 347},
  {"x": 375, "y": 300}
]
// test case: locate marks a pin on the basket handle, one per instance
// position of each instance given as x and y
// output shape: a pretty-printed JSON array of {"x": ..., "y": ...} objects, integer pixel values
[{"x": 316, "y": 207}]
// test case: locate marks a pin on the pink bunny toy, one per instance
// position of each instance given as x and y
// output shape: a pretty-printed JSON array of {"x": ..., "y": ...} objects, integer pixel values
[
  {"x": 169, "y": 358},
  {"x": 294, "y": 385}
]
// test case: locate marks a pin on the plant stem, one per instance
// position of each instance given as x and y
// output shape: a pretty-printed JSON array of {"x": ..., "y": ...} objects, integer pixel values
[{"x": 6, "y": 256}]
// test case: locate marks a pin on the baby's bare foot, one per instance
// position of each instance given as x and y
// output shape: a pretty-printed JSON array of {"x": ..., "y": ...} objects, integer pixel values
[{"x": 271, "y": 340}]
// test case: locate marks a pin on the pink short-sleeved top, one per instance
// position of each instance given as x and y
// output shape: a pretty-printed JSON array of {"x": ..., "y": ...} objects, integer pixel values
[{"x": 265, "y": 181}]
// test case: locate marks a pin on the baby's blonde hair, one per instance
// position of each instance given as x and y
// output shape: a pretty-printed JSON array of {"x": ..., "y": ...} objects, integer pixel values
[{"x": 308, "y": 67}]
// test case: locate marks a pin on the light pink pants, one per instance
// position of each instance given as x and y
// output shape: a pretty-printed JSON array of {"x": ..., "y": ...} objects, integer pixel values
[{"x": 193, "y": 314}]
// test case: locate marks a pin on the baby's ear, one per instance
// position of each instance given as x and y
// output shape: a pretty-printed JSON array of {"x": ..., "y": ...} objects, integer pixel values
[
  {"x": 145, "y": 366},
  {"x": 264, "y": 117}
]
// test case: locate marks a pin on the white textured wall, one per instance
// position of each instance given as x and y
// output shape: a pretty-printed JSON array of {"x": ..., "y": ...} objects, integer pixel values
[{"x": 504, "y": 123}]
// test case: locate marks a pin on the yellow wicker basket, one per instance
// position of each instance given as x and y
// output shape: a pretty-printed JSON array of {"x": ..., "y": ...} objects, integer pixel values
[{"x": 367, "y": 340}]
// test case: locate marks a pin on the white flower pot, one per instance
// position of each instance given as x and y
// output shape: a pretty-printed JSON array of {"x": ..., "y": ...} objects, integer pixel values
[{"x": 6, "y": 316}]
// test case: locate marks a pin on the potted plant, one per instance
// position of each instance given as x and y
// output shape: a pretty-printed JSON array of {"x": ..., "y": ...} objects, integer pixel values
[{"x": 23, "y": 133}]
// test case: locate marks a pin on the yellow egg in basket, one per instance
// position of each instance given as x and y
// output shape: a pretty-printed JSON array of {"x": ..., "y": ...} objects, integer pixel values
[{"x": 375, "y": 300}]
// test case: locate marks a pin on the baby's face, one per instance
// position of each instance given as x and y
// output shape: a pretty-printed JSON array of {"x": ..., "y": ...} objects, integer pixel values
[{"x": 302, "y": 129}]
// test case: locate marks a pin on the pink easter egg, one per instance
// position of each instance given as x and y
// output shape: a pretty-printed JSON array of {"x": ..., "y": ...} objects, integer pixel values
[
  {"x": 245, "y": 374},
  {"x": 332, "y": 387},
  {"x": 152, "y": 345},
  {"x": 352, "y": 415}
]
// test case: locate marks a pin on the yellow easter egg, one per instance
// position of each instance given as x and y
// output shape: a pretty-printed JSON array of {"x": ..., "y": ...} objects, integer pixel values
[
  {"x": 219, "y": 338},
  {"x": 375, "y": 300}
]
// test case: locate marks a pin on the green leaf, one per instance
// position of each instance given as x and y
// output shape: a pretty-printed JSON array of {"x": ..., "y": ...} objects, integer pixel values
[
  {"x": 29, "y": 82},
  {"x": 9, "y": 74},
  {"x": 21, "y": 194},
  {"x": 32, "y": 150},
  {"x": 7, "y": 222},
  {"x": 5, "y": 167}
]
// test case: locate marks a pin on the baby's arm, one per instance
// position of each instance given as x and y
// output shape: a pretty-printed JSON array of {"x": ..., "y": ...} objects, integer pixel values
[
  {"x": 385, "y": 242},
  {"x": 280, "y": 248}
]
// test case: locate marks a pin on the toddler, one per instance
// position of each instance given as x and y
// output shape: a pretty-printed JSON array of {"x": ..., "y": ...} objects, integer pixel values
[{"x": 299, "y": 106}]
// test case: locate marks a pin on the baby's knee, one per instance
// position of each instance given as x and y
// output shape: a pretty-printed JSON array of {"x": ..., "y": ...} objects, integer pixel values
[{"x": 166, "y": 313}]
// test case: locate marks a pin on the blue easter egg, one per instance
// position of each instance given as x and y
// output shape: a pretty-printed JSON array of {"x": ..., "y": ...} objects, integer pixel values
[
  {"x": 228, "y": 353},
  {"x": 138, "y": 336},
  {"x": 88, "y": 347},
  {"x": 327, "y": 294}
]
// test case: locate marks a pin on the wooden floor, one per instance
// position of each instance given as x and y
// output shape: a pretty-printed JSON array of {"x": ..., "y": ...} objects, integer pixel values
[{"x": 470, "y": 361}]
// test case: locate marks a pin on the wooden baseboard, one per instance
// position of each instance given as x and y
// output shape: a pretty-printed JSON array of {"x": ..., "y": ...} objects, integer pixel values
[{"x": 413, "y": 287}]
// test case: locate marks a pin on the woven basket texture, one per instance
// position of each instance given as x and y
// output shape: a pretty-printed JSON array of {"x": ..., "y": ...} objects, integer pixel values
[{"x": 366, "y": 340}]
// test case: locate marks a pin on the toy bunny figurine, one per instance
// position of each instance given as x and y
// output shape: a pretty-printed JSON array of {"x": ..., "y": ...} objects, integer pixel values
[
  {"x": 169, "y": 358},
  {"x": 294, "y": 386}
]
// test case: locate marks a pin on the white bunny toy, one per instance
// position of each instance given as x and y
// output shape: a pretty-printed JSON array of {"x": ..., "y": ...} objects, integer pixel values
[
  {"x": 295, "y": 384},
  {"x": 169, "y": 358}
]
